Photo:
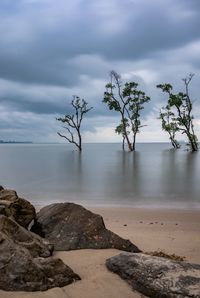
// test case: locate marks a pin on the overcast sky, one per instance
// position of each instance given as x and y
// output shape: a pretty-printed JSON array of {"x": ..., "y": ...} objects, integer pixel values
[{"x": 51, "y": 50}]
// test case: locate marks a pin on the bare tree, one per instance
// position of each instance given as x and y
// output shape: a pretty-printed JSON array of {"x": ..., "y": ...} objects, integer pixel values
[{"x": 73, "y": 122}]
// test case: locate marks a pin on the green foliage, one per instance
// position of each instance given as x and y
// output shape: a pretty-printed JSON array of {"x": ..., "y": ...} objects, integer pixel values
[
  {"x": 180, "y": 105},
  {"x": 128, "y": 101},
  {"x": 120, "y": 129},
  {"x": 165, "y": 87},
  {"x": 169, "y": 124}
]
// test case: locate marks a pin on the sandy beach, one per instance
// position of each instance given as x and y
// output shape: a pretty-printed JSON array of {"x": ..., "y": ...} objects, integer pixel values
[{"x": 172, "y": 231}]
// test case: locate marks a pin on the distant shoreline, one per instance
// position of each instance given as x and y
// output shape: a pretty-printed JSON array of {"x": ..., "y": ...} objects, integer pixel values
[{"x": 15, "y": 142}]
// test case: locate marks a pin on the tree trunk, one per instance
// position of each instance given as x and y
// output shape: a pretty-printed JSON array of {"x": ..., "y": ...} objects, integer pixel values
[
  {"x": 79, "y": 141},
  {"x": 192, "y": 142},
  {"x": 129, "y": 144},
  {"x": 123, "y": 144},
  {"x": 134, "y": 140},
  {"x": 173, "y": 142}
]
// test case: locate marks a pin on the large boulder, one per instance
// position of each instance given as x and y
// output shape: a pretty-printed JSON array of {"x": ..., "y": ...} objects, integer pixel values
[
  {"x": 19, "y": 271},
  {"x": 17, "y": 208},
  {"x": 37, "y": 246},
  {"x": 156, "y": 276},
  {"x": 70, "y": 226}
]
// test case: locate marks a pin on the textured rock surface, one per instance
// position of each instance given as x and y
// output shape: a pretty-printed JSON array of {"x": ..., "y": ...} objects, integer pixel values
[
  {"x": 37, "y": 246},
  {"x": 157, "y": 277},
  {"x": 19, "y": 271},
  {"x": 69, "y": 226},
  {"x": 19, "y": 209}
]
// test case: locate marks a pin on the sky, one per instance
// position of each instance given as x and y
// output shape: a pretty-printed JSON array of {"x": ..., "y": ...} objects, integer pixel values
[{"x": 51, "y": 50}]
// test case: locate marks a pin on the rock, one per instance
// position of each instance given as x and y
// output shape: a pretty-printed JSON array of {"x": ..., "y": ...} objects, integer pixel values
[
  {"x": 157, "y": 277},
  {"x": 37, "y": 246},
  {"x": 1, "y": 187},
  {"x": 2, "y": 210},
  {"x": 19, "y": 209},
  {"x": 19, "y": 271},
  {"x": 70, "y": 226}
]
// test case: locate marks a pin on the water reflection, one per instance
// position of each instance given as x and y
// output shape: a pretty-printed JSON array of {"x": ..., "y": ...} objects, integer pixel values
[{"x": 102, "y": 173}]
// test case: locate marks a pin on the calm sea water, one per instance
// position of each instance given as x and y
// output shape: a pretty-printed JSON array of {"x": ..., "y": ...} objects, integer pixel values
[{"x": 153, "y": 176}]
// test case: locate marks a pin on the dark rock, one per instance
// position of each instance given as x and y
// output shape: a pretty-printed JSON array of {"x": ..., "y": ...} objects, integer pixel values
[
  {"x": 157, "y": 277},
  {"x": 19, "y": 271},
  {"x": 69, "y": 226},
  {"x": 2, "y": 210},
  {"x": 1, "y": 187},
  {"x": 37, "y": 246},
  {"x": 19, "y": 209}
]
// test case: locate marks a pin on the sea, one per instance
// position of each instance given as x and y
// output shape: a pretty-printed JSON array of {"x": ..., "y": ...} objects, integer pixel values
[{"x": 154, "y": 176}]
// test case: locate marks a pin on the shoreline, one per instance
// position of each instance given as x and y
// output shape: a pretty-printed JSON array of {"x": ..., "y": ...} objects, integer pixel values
[
  {"x": 90, "y": 205},
  {"x": 172, "y": 231}
]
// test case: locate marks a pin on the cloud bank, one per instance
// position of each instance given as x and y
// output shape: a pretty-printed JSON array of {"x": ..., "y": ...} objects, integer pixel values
[{"x": 53, "y": 50}]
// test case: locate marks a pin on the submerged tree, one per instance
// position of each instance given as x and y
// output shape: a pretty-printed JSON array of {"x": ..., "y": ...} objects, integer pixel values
[
  {"x": 169, "y": 124},
  {"x": 182, "y": 105},
  {"x": 73, "y": 122},
  {"x": 128, "y": 101},
  {"x": 120, "y": 129}
]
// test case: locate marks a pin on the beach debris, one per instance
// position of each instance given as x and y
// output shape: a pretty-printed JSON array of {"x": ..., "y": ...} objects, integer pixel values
[
  {"x": 20, "y": 271},
  {"x": 157, "y": 276},
  {"x": 70, "y": 226},
  {"x": 17, "y": 208},
  {"x": 163, "y": 254},
  {"x": 37, "y": 246}
]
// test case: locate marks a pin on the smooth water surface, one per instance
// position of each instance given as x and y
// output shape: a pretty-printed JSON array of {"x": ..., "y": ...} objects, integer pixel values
[{"x": 153, "y": 176}]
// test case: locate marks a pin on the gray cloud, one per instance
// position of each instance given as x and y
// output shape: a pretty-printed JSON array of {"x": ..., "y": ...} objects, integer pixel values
[
  {"x": 52, "y": 50},
  {"x": 39, "y": 39}
]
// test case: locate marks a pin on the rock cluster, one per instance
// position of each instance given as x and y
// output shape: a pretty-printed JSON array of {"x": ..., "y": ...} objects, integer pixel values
[
  {"x": 26, "y": 263},
  {"x": 25, "y": 258},
  {"x": 20, "y": 271}
]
